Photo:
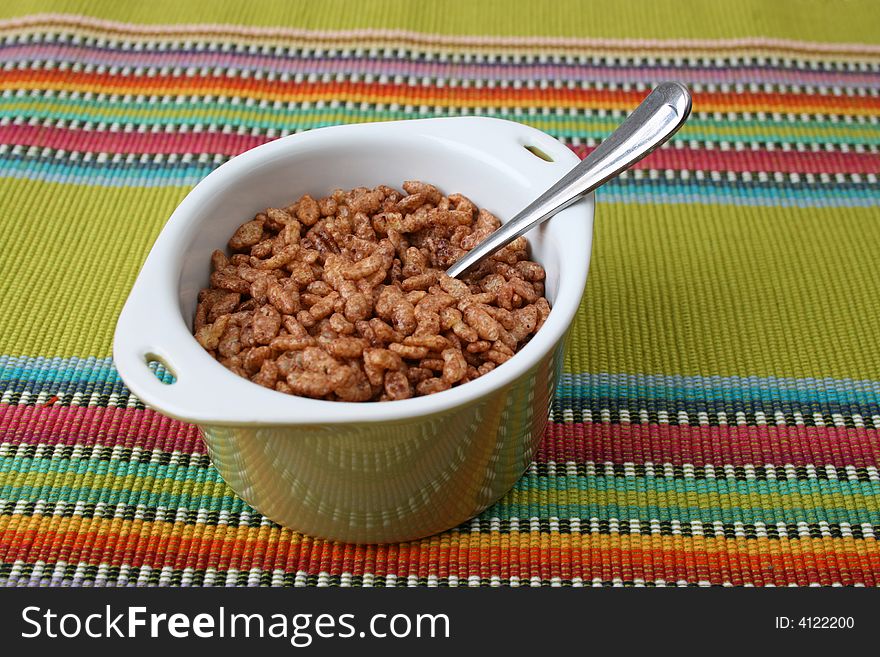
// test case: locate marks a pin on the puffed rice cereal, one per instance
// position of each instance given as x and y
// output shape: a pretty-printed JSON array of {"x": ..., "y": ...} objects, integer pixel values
[{"x": 345, "y": 298}]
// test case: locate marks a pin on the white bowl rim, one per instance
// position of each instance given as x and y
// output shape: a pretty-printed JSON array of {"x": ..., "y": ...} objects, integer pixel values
[{"x": 140, "y": 332}]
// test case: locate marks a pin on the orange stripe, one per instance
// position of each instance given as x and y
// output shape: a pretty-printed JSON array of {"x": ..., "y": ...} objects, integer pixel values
[
  {"x": 717, "y": 559},
  {"x": 418, "y": 95}
]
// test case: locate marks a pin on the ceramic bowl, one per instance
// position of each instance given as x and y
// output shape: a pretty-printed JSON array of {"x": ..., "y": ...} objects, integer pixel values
[{"x": 378, "y": 471}]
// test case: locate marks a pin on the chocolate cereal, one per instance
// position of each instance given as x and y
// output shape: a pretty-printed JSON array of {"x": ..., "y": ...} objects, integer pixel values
[{"x": 345, "y": 298}]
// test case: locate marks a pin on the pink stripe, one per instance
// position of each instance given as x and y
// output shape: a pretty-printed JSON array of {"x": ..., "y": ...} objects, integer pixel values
[
  {"x": 700, "y": 445},
  {"x": 230, "y": 144},
  {"x": 363, "y": 66},
  {"x": 129, "y": 142},
  {"x": 599, "y": 443},
  {"x": 37, "y": 20},
  {"x": 783, "y": 161},
  {"x": 80, "y": 425}
]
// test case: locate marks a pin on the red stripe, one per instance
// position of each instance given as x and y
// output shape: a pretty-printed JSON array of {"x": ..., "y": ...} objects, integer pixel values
[
  {"x": 69, "y": 425},
  {"x": 229, "y": 144},
  {"x": 618, "y": 443},
  {"x": 701, "y": 445}
]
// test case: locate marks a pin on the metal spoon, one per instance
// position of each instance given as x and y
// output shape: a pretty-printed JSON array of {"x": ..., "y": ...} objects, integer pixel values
[{"x": 650, "y": 125}]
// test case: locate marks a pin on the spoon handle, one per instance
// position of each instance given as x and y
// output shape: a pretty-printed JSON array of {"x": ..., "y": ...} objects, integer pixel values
[{"x": 650, "y": 125}]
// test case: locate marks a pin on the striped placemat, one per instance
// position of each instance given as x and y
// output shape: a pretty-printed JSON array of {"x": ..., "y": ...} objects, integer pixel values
[{"x": 719, "y": 417}]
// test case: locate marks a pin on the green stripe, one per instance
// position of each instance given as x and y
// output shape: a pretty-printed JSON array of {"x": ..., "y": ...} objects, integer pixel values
[
  {"x": 720, "y": 290},
  {"x": 537, "y": 483},
  {"x": 47, "y": 306},
  {"x": 54, "y": 457},
  {"x": 643, "y": 497},
  {"x": 13, "y": 468},
  {"x": 243, "y": 516},
  {"x": 707, "y": 290},
  {"x": 651, "y": 19}
]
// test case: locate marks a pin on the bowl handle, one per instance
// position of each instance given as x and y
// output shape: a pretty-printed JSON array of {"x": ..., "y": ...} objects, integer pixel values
[{"x": 147, "y": 331}]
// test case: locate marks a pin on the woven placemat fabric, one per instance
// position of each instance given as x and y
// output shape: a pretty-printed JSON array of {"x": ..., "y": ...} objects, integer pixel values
[{"x": 718, "y": 421}]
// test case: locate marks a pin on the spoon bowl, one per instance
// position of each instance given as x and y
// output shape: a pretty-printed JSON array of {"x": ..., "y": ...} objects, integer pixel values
[{"x": 652, "y": 123}]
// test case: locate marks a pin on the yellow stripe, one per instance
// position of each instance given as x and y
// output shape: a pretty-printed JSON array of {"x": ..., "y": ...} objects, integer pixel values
[{"x": 808, "y": 20}]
